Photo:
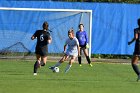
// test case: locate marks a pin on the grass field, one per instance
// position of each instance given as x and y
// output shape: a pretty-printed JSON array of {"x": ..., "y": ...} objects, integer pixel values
[{"x": 16, "y": 77}]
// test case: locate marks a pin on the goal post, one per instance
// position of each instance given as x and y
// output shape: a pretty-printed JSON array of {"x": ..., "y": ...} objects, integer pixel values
[{"x": 21, "y": 23}]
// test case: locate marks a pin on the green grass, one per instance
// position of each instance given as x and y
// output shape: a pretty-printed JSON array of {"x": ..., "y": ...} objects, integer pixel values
[{"x": 16, "y": 77}]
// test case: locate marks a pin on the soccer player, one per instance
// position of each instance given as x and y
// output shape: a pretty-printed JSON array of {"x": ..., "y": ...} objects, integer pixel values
[
  {"x": 43, "y": 39},
  {"x": 136, "y": 53},
  {"x": 83, "y": 43},
  {"x": 72, "y": 51}
]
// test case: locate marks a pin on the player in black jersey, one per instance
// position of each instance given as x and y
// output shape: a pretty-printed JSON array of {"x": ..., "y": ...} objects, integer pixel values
[
  {"x": 43, "y": 39},
  {"x": 136, "y": 53}
]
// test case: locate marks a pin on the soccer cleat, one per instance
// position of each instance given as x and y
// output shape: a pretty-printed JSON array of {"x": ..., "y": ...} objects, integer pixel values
[
  {"x": 52, "y": 68},
  {"x": 35, "y": 74},
  {"x": 42, "y": 64},
  {"x": 138, "y": 78},
  {"x": 90, "y": 65}
]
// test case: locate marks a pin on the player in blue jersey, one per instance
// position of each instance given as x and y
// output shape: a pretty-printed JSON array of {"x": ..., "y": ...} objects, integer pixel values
[
  {"x": 136, "y": 53},
  {"x": 43, "y": 39},
  {"x": 82, "y": 37},
  {"x": 72, "y": 51}
]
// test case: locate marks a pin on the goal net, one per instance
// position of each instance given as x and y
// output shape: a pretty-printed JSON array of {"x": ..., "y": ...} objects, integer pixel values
[{"x": 17, "y": 25}]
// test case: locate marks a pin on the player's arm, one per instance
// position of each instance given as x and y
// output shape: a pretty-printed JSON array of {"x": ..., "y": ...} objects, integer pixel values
[
  {"x": 49, "y": 40},
  {"x": 86, "y": 36},
  {"x": 130, "y": 42},
  {"x": 65, "y": 45},
  {"x": 65, "y": 48},
  {"x": 135, "y": 37},
  {"x": 34, "y": 35}
]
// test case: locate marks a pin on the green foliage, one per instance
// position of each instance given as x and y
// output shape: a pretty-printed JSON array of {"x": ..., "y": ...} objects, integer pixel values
[{"x": 113, "y": 1}]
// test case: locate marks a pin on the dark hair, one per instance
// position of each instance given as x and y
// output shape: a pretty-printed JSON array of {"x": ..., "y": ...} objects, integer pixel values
[
  {"x": 80, "y": 25},
  {"x": 45, "y": 24},
  {"x": 138, "y": 21}
]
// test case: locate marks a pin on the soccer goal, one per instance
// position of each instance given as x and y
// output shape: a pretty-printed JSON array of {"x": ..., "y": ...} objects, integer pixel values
[{"x": 18, "y": 24}]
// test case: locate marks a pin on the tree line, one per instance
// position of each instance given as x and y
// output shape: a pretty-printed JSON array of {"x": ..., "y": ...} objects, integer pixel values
[{"x": 112, "y": 1}]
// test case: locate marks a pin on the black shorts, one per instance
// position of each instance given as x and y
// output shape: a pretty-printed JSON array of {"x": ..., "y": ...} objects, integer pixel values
[
  {"x": 137, "y": 49},
  {"x": 82, "y": 47},
  {"x": 41, "y": 50}
]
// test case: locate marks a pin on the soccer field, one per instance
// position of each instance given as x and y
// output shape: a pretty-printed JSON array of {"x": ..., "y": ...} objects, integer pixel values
[{"x": 16, "y": 77}]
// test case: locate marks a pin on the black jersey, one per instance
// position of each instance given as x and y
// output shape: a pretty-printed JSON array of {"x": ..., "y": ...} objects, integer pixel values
[
  {"x": 137, "y": 43},
  {"x": 42, "y": 37},
  {"x": 137, "y": 31}
]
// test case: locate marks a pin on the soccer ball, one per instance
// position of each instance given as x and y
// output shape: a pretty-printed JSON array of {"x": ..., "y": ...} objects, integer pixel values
[{"x": 56, "y": 69}]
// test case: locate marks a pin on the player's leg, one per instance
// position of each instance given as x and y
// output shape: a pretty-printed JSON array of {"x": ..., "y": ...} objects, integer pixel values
[
  {"x": 43, "y": 60},
  {"x": 70, "y": 63},
  {"x": 87, "y": 56},
  {"x": 134, "y": 65},
  {"x": 43, "y": 53},
  {"x": 79, "y": 57},
  {"x": 37, "y": 64},
  {"x": 59, "y": 62}
]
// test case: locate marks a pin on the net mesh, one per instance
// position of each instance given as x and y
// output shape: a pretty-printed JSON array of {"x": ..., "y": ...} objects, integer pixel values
[{"x": 17, "y": 27}]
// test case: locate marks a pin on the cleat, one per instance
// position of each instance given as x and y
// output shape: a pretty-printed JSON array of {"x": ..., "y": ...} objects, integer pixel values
[
  {"x": 42, "y": 64},
  {"x": 80, "y": 65},
  {"x": 51, "y": 68},
  {"x": 90, "y": 65},
  {"x": 35, "y": 74},
  {"x": 138, "y": 78}
]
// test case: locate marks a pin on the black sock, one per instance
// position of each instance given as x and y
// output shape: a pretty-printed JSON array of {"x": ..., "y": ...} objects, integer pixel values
[
  {"x": 79, "y": 60},
  {"x": 35, "y": 67},
  {"x": 88, "y": 59},
  {"x": 136, "y": 69}
]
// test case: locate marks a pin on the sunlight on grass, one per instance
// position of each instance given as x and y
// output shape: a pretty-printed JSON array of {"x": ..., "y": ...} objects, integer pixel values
[{"x": 16, "y": 76}]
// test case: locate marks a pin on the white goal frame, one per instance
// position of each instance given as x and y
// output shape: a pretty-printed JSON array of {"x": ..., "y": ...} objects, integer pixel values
[{"x": 58, "y": 10}]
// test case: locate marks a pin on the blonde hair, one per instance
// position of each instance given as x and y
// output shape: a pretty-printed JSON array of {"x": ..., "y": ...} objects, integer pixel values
[{"x": 71, "y": 31}]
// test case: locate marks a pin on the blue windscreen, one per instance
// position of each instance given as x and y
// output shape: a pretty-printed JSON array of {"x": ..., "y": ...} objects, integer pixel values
[
  {"x": 17, "y": 27},
  {"x": 112, "y": 24}
]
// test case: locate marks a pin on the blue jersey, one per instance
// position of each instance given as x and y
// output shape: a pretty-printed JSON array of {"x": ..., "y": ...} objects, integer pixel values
[{"x": 82, "y": 37}]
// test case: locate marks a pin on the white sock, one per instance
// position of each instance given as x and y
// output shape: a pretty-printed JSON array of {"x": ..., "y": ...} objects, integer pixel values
[
  {"x": 68, "y": 68},
  {"x": 57, "y": 64}
]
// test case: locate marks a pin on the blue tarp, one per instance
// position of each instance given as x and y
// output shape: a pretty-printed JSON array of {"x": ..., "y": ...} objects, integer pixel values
[{"x": 112, "y": 23}]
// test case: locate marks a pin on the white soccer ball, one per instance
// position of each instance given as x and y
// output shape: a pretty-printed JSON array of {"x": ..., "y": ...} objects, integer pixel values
[{"x": 56, "y": 69}]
